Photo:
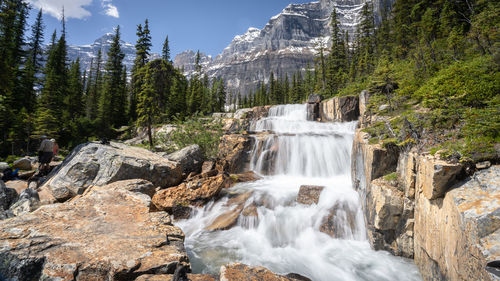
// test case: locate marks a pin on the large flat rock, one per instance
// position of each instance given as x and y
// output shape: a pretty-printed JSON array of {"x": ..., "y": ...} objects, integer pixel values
[
  {"x": 106, "y": 234},
  {"x": 195, "y": 193},
  {"x": 94, "y": 164}
]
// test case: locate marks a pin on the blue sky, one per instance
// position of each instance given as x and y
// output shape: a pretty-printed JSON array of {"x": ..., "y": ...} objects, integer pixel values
[{"x": 190, "y": 24}]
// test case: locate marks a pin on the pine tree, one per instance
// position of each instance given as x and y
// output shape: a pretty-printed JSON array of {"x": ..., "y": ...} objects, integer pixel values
[
  {"x": 33, "y": 64},
  {"x": 177, "y": 99},
  {"x": 109, "y": 114},
  {"x": 143, "y": 48},
  {"x": 166, "y": 50},
  {"x": 94, "y": 88},
  {"x": 221, "y": 96},
  {"x": 74, "y": 104},
  {"x": 366, "y": 47},
  {"x": 336, "y": 59}
]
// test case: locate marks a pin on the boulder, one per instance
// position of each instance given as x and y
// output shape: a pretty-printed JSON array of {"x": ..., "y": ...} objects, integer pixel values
[
  {"x": 229, "y": 219},
  {"x": 250, "y": 211},
  {"x": 22, "y": 164},
  {"x": 242, "y": 272},
  {"x": 340, "y": 222},
  {"x": 245, "y": 177},
  {"x": 106, "y": 234},
  {"x": 17, "y": 185},
  {"x": 242, "y": 113},
  {"x": 309, "y": 194},
  {"x": 207, "y": 166},
  {"x": 339, "y": 109},
  {"x": 196, "y": 193},
  {"x": 8, "y": 196},
  {"x": 3, "y": 166},
  {"x": 94, "y": 164},
  {"x": 234, "y": 152},
  {"x": 190, "y": 158},
  {"x": 225, "y": 221},
  {"x": 483, "y": 165},
  {"x": 259, "y": 112},
  {"x": 135, "y": 185},
  {"x": 28, "y": 201},
  {"x": 457, "y": 237}
]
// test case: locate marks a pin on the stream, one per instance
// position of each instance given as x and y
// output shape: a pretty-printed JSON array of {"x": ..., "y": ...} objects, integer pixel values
[{"x": 285, "y": 235}]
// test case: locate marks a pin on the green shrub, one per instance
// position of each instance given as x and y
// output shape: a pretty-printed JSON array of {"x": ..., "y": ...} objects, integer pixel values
[
  {"x": 11, "y": 158},
  {"x": 391, "y": 177},
  {"x": 464, "y": 83},
  {"x": 205, "y": 132}
]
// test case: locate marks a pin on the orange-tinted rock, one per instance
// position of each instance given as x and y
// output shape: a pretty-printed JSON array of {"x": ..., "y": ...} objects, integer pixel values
[
  {"x": 241, "y": 272},
  {"x": 18, "y": 185},
  {"x": 207, "y": 166},
  {"x": 225, "y": 221},
  {"x": 168, "y": 277},
  {"x": 230, "y": 218},
  {"x": 234, "y": 153},
  {"x": 245, "y": 177},
  {"x": 196, "y": 192},
  {"x": 106, "y": 234},
  {"x": 309, "y": 194}
]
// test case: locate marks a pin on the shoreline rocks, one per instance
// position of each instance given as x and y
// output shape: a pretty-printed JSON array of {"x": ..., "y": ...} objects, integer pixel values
[
  {"x": 107, "y": 233},
  {"x": 420, "y": 206},
  {"x": 94, "y": 164},
  {"x": 192, "y": 193}
]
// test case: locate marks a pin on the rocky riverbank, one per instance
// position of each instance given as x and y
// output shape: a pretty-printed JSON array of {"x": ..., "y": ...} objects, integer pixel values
[
  {"x": 106, "y": 212},
  {"x": 442, "y": 213}
]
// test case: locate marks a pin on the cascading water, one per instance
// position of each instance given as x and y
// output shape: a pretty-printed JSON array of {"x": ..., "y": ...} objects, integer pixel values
[{"x": 284, "y": 235}]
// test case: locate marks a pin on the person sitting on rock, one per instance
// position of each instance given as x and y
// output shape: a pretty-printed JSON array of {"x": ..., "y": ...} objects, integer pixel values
[
  {"x": 9, "y": 175},
  {"x": 45, "y": 153}
]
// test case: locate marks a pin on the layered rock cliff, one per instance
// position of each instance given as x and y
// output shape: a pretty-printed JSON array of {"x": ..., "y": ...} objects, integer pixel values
[
  {"x": 286, "y": 44},
  {"x": 443, "y": 214}
]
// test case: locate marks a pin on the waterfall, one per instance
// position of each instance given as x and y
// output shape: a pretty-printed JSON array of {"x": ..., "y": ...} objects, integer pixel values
[{"x": 282, "y": 234}]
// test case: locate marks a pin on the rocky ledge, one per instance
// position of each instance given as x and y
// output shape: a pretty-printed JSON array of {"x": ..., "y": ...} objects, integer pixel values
[
  {"x": 94, "y": 164},
  {"x": 338, "y": 109},
  {"x": 107, "y": 234},
  {"x": 420, "y": 206}
]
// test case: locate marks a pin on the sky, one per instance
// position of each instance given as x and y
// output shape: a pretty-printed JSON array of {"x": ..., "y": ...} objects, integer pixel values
[{"x": 205, "y": 25}]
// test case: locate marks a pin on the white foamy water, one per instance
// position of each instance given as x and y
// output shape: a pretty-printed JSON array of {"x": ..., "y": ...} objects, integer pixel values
[{"x": 289, "y": 152}]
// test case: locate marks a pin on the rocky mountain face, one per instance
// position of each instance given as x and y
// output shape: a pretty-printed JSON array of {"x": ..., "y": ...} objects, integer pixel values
[
  {"x": 88, "y": 52},
  {"x": 288, "y": 42}
]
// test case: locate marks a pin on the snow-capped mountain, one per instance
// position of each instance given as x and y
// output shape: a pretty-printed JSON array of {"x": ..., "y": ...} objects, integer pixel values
[
  {"x": 88, "y": 52},
  {"x": 288, "y": 42}
]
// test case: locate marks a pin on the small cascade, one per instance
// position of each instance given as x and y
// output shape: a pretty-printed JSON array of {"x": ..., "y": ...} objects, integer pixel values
[{"x": 323, "y": 241}]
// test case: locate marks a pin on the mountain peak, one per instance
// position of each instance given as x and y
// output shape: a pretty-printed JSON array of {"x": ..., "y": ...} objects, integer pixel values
[{"x": 286, "y": 44}]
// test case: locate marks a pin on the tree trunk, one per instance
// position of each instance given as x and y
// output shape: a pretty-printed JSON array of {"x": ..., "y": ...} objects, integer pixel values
[{"x": 150, "y": 135}]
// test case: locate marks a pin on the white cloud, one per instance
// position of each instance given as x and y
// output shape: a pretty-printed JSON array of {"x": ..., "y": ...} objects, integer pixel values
[
  {"x": 72, "y": 8},
  {"x": 110, "y": 9}
]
